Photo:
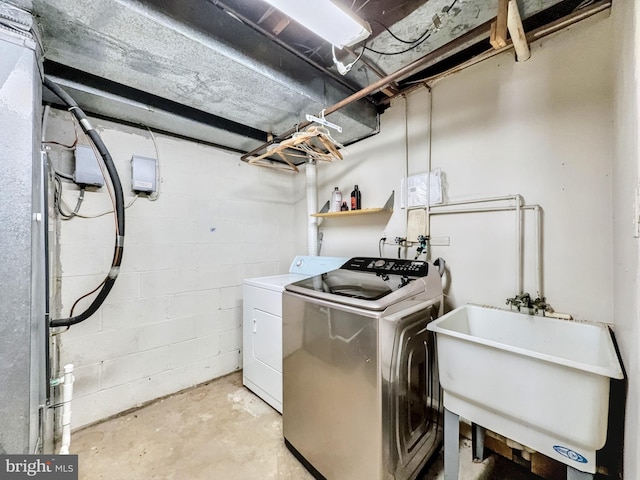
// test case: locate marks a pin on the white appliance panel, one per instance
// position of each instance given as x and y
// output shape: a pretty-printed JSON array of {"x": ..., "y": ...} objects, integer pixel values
[
  {"x": 262, "y": 325},
  {"x": 267, "y": 335}
]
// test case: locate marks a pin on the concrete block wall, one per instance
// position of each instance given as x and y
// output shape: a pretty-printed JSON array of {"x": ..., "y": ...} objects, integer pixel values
[{"x": 174, "y": 316}]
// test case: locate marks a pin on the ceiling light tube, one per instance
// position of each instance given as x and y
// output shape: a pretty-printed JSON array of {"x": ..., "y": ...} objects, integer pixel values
[{"x": 328, "y": 19}]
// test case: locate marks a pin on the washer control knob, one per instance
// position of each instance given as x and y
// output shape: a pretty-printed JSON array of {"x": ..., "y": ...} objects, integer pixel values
[
  {"x": 379, "y": 263},
  {"x": 299, "y": 262}
]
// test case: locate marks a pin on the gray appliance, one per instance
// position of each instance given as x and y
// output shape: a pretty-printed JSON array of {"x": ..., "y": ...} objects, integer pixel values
[
  {"x": 26, "y": 423},
  {"x": 361, "y": 396}
]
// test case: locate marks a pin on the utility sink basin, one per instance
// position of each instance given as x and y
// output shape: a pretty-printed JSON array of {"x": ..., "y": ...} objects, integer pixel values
[{"x": 540, "y": 381}]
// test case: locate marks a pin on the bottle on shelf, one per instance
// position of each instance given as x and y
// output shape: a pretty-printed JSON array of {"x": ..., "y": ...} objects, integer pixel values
[
  {"x": 356, "y": 203},
  {"x": 336, "y": 200},
  {"x": 344, "y": 207}
]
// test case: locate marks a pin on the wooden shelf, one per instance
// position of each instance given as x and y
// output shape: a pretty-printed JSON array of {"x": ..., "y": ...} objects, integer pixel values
[
  {"x": 388, "y": 208},
  {"x": 350, "y": 213}
]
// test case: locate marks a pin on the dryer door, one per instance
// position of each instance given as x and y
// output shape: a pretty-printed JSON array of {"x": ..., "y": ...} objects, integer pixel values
[{"x": 267, "y": 339}]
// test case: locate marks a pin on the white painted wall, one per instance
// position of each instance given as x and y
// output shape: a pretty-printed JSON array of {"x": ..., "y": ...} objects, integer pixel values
[
  {"x": 560, "y": 129},
  {"x": 542, "y": 129},
  {"x": 626, "y": 16},
  {"x": 174, "y": 316}
]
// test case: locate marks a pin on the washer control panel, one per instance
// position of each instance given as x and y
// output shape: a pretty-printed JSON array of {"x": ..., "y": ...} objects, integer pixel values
[{"x": 389, "y": 266}]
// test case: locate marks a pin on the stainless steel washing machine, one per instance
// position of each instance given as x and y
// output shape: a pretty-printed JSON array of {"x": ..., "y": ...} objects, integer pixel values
[{"x": 361, "y": 396}]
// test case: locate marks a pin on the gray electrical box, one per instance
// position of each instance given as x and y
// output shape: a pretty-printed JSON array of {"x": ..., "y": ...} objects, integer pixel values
[
  {"x": 87, "y": 168},
  {"x": 143, "y": 174}
]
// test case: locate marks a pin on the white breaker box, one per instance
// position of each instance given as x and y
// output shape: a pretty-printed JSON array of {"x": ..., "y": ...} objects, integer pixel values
[{"x": 143, "y": 174}]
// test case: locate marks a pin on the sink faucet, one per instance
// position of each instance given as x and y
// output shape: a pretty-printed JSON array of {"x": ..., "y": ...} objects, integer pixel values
[
  {"x": 540, "y": 303},
  {"x": 520, "y": 300},
  {"x": 523, "y": 300}
]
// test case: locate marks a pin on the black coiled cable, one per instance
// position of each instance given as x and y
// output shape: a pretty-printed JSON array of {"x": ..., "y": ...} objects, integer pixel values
[{"x": 109, "y": 281}]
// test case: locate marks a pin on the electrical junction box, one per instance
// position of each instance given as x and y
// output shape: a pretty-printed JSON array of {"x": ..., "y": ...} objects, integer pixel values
[
  {"x": 88, "y": 171},
  {"x": 143, "y": 174}
]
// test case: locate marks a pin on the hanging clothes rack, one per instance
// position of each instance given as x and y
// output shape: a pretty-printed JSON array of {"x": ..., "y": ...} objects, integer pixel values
[{"x": 314, "y": 143}]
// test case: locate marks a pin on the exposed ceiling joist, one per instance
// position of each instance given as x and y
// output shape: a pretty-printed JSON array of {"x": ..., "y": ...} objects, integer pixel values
[{"x": 230, "y": 64}]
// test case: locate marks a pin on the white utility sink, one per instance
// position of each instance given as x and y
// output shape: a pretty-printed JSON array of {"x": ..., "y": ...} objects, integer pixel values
[{"x": 540, "y": 381}]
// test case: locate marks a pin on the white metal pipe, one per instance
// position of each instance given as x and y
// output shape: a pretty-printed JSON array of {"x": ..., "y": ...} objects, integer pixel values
[
  {"x": 478, "y": 200},
  {"x": 312, "y": 207},
  {"x": 506, "y": 208},
  {"x": 517, "y": 198},
  {"x": 538, "y": 211},
  {"x": 67, "y": 395},
  {"x": 429, "y": 138},
  {"x": 539, "y": 286},
  {"x": 519, "y": 255},
  {"x": 406, "y": 167}
]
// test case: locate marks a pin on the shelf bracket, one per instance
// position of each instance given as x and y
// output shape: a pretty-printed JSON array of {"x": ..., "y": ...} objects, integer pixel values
[{"x": 390, "y": 201}]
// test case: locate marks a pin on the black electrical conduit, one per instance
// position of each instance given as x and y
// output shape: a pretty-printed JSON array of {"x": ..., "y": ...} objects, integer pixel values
[{"x": 108, "y": 282}]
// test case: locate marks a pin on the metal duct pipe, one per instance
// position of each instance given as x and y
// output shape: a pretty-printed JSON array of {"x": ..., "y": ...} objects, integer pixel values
[
  {"x": 234, "y": 13},
  {"x": 374, "y": 87}
]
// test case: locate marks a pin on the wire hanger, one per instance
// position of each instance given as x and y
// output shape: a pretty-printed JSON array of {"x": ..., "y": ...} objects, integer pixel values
[{"x": 314, "y": 143}]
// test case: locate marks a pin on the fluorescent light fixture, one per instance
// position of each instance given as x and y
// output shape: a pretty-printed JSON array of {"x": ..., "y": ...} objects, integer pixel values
[{"x": 328, "y": 19}]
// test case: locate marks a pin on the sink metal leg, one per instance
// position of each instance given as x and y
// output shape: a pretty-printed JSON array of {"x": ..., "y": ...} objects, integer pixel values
[
  {"x": 573, "y": 474},
  {"x": 477, "y": 442},
  {"x": 451, "y": 445}
]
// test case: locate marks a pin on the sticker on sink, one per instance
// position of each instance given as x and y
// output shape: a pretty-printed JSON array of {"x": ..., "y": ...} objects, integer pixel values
[{"x": 570, "y": 454}]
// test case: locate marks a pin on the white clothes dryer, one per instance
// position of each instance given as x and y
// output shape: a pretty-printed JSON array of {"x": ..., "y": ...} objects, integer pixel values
[{"x": 262, "y": 325}]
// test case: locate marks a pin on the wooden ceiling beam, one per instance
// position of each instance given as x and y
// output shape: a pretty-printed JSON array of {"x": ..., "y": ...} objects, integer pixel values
[{"x": 499, "y": 29}]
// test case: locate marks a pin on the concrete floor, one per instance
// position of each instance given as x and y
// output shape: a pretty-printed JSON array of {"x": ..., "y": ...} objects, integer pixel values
[{"x": 220, "y": 431}]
